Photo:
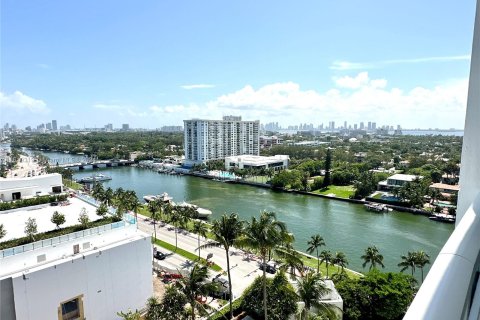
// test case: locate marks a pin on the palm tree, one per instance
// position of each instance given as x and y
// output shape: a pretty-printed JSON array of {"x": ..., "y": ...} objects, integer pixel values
[
  {"x": 264, "y": 235},
  {"x": 153, "y": 207},
  {"x": 422, "y": 259},
  {"x": 200, "y": 229},
  {"x": 373, "y": 257},
  {"x": 177, "y": 219},
  {"x": 340, "y": 260},
  {"x": 291, "y": 259},
  {"x": 408, "y": 261},
  {"x": 326, "y": 256},
  {"x": 195, "y": 285},
  {"x": 314, "y": 243},
  {"x": 108, "y": 196},
  {"x": 311, "y": 289},
  {"x": 226, "y": 231}
]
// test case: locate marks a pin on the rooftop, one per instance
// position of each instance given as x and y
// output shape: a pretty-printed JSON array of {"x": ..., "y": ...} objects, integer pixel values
[{"x": 404, "y": 177}]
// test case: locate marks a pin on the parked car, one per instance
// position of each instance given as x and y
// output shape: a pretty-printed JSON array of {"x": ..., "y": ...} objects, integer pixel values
[
  {"x": 268, "y": 268},
  {"x": 159, "y": 255}
]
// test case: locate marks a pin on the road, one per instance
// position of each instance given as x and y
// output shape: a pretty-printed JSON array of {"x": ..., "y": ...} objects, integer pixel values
[{"x": 243, "y": 270}]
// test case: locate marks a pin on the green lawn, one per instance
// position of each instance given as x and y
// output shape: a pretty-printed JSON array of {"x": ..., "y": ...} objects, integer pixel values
[
  {"x": 312, "y": 262},
  {"x": 72, "y": 184},
  {"x": 339, "y": 191},
  {"x": 186, "y": 254}
]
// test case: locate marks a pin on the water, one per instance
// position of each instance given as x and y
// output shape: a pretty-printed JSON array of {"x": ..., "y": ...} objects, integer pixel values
[{"x": 345, "y": 227}]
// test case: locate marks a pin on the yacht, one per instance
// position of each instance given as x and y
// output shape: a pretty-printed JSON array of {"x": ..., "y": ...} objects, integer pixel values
[
  {"x": 164, "y": 197},
  {"x": 94, "y": 178}
]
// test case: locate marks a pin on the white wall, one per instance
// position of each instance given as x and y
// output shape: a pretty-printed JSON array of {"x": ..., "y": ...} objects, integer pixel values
[
  {"x": 112, "y": 279},
  {"x": 29, "y": 186}
]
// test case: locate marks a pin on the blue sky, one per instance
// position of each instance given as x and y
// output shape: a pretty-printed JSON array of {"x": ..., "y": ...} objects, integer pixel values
[{"x": 155, "y": 63}]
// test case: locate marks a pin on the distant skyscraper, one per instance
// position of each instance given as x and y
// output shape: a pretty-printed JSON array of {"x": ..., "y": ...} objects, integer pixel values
[
  {"x": 48, "y": 126},
  {"x": 374, "y": 125},
  {"x": 125, "y": 127},
  {"x": 345, "y": 125},
  {"x": 369, "y": 125},
  {"x": 206, "y": 140},
  {"x": 355, "y": 126},
  {"x": 54, "y": 125},
  {"x": 362, "y": 125},
  {"x": 109, "y": 127}
]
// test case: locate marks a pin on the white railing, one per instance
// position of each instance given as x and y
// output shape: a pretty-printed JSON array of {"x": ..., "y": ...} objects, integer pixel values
[
  {"x": 60, "y": 239},
  {"x": 448, "y": 290}
]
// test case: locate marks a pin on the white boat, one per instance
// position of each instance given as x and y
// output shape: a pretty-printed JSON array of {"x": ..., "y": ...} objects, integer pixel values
[
  {"x": 377, "y": 207},
  {"x": 201, "y": 212},
  {"x": 164, "y": 197},
  {"x": 95, "y": 178}
]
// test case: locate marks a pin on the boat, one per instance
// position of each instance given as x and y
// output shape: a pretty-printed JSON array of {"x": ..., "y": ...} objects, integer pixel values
[
  {"x": 164, "y": 197},
  {"x": 442, "y": 217},
  {"x": 96, "y": 178},
  {"x": 377, "y": 207},
  {"x": 201, "y": 212}
]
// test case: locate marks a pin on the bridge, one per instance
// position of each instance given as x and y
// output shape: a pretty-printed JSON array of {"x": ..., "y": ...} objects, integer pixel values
[{"x": 93, "y": 164}]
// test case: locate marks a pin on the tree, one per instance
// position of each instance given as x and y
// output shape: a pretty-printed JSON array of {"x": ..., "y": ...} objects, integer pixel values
[
  {"x": 154, "y": 308},
  {"x": 314, "y": 243},
  {"x": 282, "y": 298},
  {"x": 195, "y": 285},
  {"x": 3, "y": 232},
  {"x": 108, "y": 196},
  {"x": 102, "y": 210},
  {"x": 130, "y": 315},
  {"x": 326, "y": 256},
  {"x": 377, "y": 295},
  {"x": 310, "y": 289},
  {"x": 421, "y": 260},
  {"x": 31, "y": 228},
  {"x": 83, "y": 218},
  {"x": 153, "y": 208},
  {"x": 201, "y": 230},
  {"x": 172, "y": 306},
  {"x": 291, "y": 260},
  {"x": 226, "y": 231},
  {"x": 176, "y": 219},
  {"x": 57, "y": 219},
  {"x": 408, "y": 261},
  {"x": 328, "y": 167},
  {"x": 372, "y": 256},
  {"x": 97, "y": 191},
  {"x": 340, "y": 260},
  {"x": 263, "y": 235}
]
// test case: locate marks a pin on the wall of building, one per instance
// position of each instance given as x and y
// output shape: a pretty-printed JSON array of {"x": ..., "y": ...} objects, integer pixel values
[
  {"x": 29, "y": 187},
  {"x": 112, "y": 279}
]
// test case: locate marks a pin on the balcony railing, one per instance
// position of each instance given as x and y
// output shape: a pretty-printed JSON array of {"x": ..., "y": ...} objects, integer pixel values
[{"x": 449, "y": 290}]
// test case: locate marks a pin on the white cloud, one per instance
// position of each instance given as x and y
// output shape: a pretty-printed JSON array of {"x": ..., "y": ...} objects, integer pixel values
[
  {"x": 197, "y": 86},
  {"x": 361, "y": 80},
  {"x": 121, "y": 110},
  {"x": 43, "y": 65},
  {"x": 20, "y": 102},
  {"x": 348, "y": 65}
]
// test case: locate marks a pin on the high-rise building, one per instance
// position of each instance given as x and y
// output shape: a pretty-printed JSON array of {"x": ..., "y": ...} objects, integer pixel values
[
  {"x": 345, "y": 125},
  {"x": 48, "y": 126},
  {"x": 374, "y": 125},
  {"x": 109, "y": 127},
  {"x": 54, "y": 125},
  {"x": 369, "y": 125},
  {"x": 125, "y": 127},
  {"x": 216, "y": 139},
  {"x": 362, "y": 125}
]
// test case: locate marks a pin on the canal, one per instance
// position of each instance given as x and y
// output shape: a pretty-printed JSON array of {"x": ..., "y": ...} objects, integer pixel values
[{"x": 345, "y": 227}]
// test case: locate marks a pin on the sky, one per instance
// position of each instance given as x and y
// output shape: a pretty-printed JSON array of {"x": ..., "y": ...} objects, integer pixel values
[{"x": 153, "y": 63}]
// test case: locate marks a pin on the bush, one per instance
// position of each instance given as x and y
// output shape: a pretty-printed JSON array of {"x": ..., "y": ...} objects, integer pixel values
[
  {"x": 281, "y": 298},
  {"x": 224, "y": 313},
  {"x": 32, "y": 202}
]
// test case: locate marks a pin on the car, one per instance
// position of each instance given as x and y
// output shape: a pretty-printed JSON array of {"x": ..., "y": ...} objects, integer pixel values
[
  {"x": 159, "y": 255},
  {"x": 268, "y": 268}
]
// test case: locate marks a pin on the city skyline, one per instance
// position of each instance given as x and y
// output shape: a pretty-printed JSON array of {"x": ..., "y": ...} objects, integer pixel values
[{"x": 156, "y": 64}]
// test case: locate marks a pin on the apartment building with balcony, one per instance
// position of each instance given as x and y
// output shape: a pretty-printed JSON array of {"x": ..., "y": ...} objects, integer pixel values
[{"x": 216, "y": 139}]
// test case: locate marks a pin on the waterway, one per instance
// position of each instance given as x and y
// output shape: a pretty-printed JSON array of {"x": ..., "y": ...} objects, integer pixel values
[{"x": 345, "y": 226}]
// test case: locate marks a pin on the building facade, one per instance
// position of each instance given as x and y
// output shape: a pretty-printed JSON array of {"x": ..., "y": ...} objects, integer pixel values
[
  {"x": 91, "y": 274},
  {"x": 20, "y": 188},
  {"x": 277, "y": 162},
  {"x": 216, "y": 139}
]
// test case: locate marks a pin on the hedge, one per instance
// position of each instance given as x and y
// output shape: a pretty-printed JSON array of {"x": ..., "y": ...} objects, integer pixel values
[{"x": 32, "y": 202}]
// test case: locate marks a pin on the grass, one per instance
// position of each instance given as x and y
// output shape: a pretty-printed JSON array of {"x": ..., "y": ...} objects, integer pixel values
[
  {"x": 312, "y": 262},
  {"x": 377, "y": 196},
  {"x": 72, "y": 184},
  {"x": 185, "y": 254},
  {"x": 258, "y": 179},
  {"x": 339, "y": 191}
]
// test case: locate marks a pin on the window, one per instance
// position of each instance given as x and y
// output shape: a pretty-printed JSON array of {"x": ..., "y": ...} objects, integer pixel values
[
  {"x": 71, "y": 309},
  {"x": 57, "y": 189}
]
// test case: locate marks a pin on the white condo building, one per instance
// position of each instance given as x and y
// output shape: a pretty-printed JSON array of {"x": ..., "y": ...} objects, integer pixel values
[
  {"x": 216, "y": 139},
  {"x": 89, "y": 274}
]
